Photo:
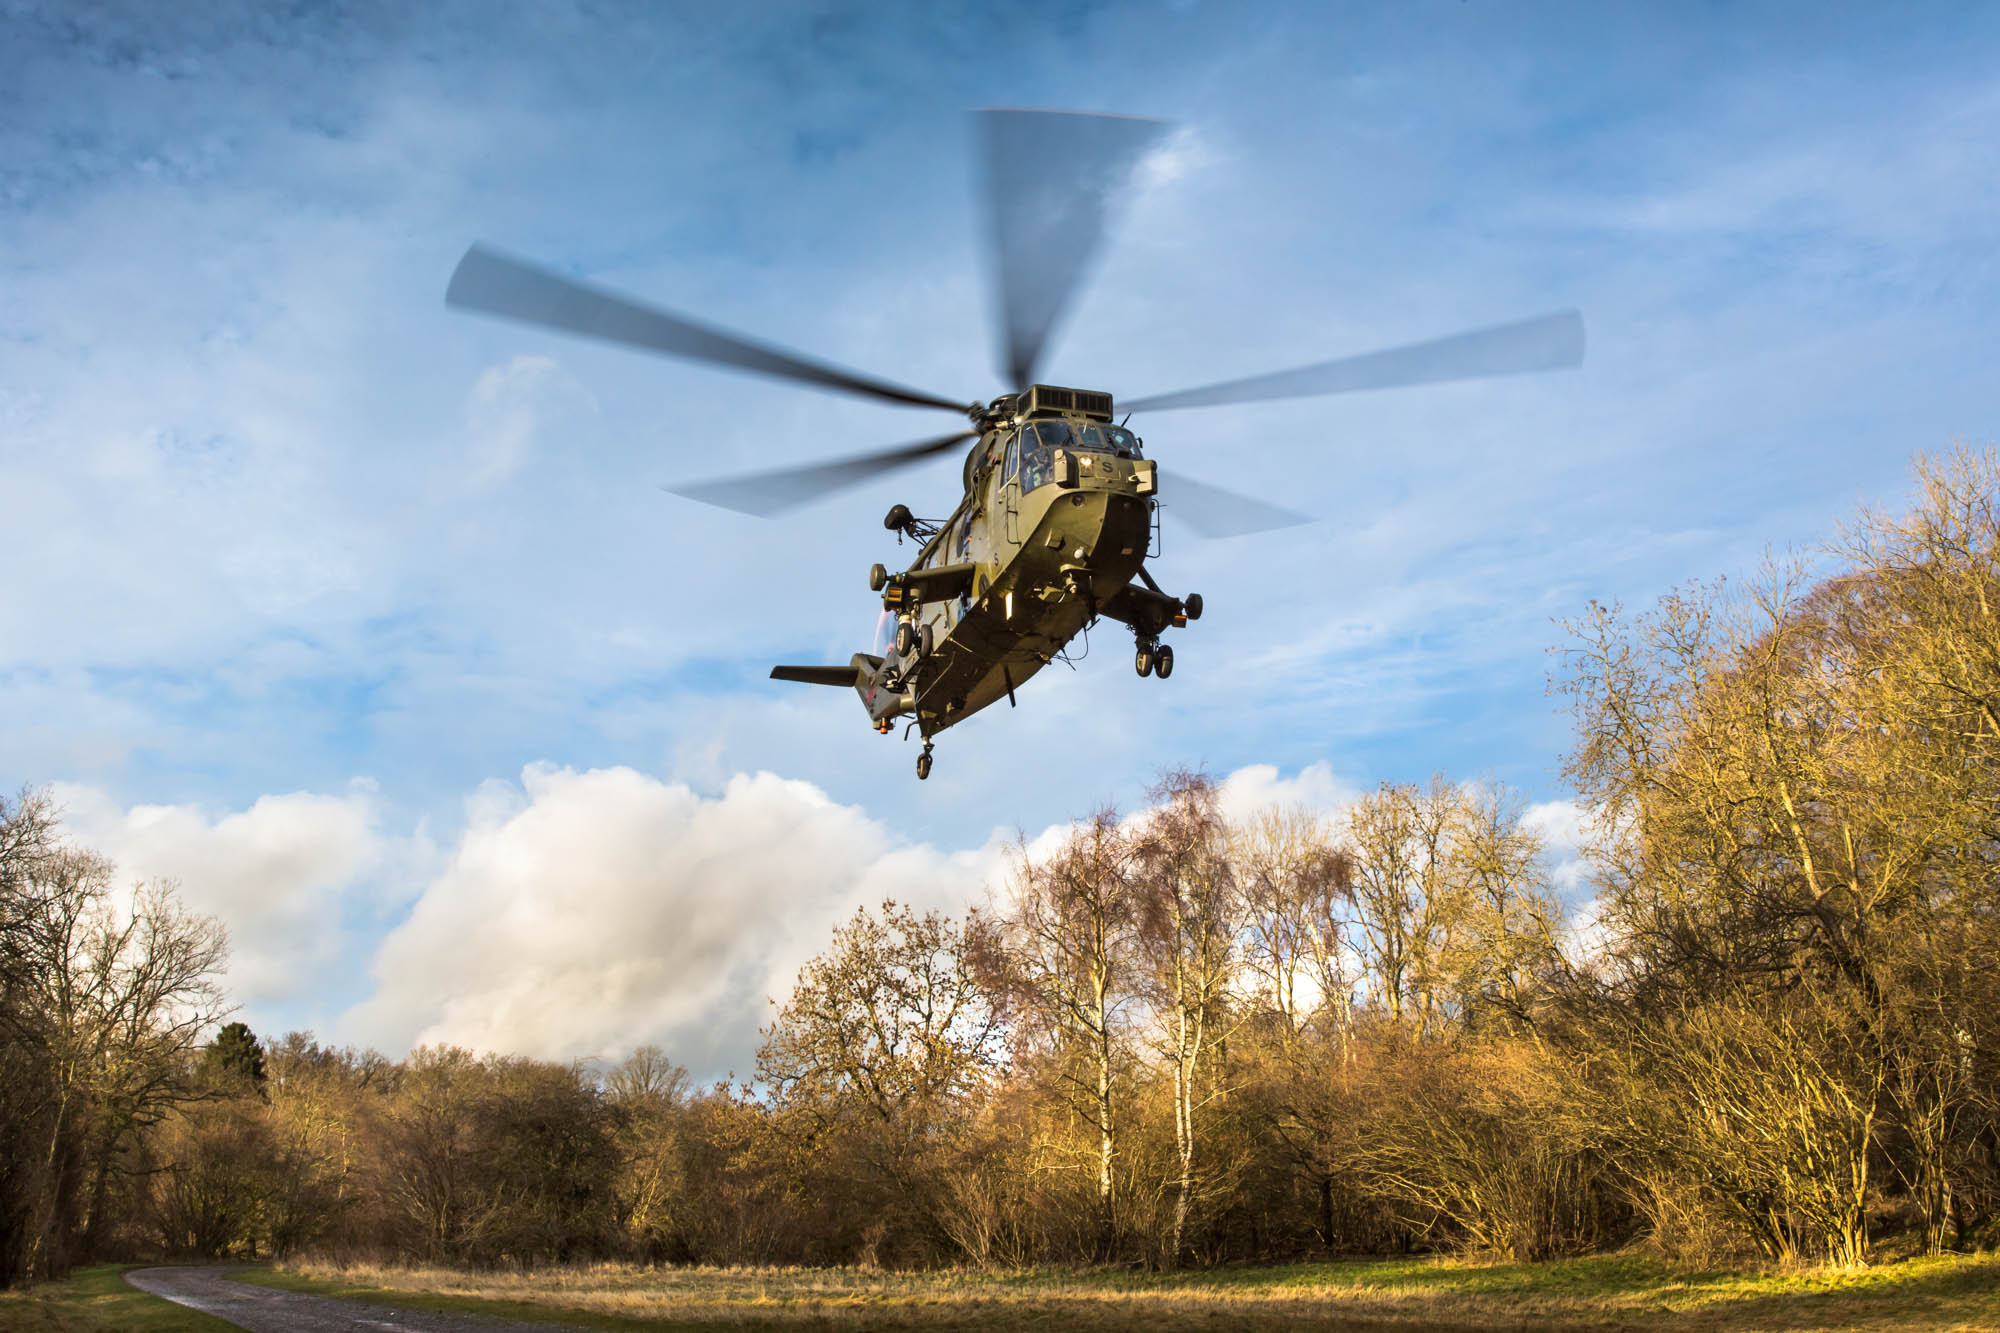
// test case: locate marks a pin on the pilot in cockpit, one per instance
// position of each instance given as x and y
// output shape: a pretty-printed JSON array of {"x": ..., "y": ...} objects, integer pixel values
[{"x": 1034, "y": 461}]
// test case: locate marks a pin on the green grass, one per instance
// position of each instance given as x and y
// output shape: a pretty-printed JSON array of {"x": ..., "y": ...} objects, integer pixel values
[
  {"x": 1601, "y": 1292},
  {"x": 98, "y": 1298}
]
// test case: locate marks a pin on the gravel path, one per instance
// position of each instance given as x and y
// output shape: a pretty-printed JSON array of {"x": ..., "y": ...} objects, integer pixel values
[{"x": 265, "y": 1310}]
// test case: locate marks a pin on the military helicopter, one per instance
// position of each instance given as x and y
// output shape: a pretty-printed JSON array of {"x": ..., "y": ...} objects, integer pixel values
[{"x": 1061, "y": 506}]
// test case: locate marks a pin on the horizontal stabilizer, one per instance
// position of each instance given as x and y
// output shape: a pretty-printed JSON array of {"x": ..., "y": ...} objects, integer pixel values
[{"x": 847, "y": 677}]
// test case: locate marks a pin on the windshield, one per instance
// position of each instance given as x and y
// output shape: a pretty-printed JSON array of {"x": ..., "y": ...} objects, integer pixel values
[
  {"x": 1056, "y": 434},
  {"x": 885, "y": 633},
  {"x": 1116, "y": 439},
  {"x": 1040, "y": 439}
]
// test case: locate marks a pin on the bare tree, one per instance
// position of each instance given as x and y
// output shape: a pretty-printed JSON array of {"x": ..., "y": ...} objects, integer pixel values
[
  {"x": 1411, "y": 901},
  {"x": 648, "y": 1095},
  {"x": 884, "y": 1043},
  {"x": 1068, "y": 956},
  {"x": 1191, "y": 911},
  {"x": 102, "y": 1008}
]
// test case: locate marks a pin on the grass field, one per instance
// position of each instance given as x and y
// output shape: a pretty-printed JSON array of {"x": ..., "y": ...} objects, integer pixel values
[
  {"x": 93, "y": 1299},
  {"x": 1607, "y": 1292}
]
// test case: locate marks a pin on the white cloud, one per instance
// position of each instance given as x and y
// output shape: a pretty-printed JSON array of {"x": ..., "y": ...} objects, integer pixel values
[
  {"x": 1562, "y": 826},
  {"x": 283, "y": 875},
  {"x": 577, "y": 913},
  {"x": 584, "y": 913},
  {"x": 1259, "y": 787}
]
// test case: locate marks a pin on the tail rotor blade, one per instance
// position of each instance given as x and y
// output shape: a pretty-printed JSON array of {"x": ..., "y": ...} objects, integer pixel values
[
  {"x": 498, "y": 284},
  {"x": 1547, "y": 342},
  {"x": 767, "y": 493},
  {"x": 1052, "y": 179},
  {"x": 1214, "y": 512}
]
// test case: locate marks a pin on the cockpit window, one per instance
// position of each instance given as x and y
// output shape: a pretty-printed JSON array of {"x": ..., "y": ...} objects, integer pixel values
[
  {"x": 1036, "y": 464},
  {"x": 1056, "y": 434},
  {"x": 1116, "y": 439},
  {"x": 885, "y": 634}
]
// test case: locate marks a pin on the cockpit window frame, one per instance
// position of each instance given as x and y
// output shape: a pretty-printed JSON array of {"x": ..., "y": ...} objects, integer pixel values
[{"x": 1069, "y": 428}]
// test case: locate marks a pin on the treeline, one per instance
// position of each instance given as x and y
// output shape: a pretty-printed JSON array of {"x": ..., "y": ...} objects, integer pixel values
[{"x": 1176, "y": 1037}]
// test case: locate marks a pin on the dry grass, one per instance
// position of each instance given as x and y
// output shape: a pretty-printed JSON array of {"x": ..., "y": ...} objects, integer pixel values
[{"x": 1606, "y": 1292}]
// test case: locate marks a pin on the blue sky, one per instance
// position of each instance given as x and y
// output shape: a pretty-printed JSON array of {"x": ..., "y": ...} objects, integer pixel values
[{"x": 369, "y": 623}]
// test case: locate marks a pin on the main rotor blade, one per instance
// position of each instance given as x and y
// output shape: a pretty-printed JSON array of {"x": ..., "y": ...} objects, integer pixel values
[
  {"x": 1052, "y": 178},
  {"x": 1547, "y": 342},
  {"x": 773, "y": 492},
  {"x": 498, "y": 284},
  {"x": 1214, "y": 512}
]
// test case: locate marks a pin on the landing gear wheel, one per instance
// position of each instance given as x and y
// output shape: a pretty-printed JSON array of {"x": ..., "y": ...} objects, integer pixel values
[
  {"x": 924, "y": 763},
  {"x": 906, "y": 638},
  {"x": 1191, "y": 606},
  {"x": 1163, "y": 661},
  {"x": 878, "y": 578},
  {"x": 924, "y": 642},
  {"x": 1143, "y": 660}
]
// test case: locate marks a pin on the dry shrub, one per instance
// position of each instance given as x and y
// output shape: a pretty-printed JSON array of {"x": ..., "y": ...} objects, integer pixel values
[{"x": 1485, "y": 1141}]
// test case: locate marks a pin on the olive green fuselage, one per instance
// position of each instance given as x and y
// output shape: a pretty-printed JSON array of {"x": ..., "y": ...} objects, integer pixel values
[{"x": 1048, "y": 546}]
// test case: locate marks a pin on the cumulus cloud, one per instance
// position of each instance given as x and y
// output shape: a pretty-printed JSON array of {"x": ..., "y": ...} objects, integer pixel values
[
  {"x": 283, "y": 875},
  {"x": 581, "y": 913},
  {"x": 1562, "y": 826},
  {"x": 585, "y": 913},
  {"x": 1261, "y": 787}
]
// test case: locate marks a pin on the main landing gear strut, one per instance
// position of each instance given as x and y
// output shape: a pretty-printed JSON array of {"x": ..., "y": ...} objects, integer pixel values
[{"x": 1154, "y": 659}]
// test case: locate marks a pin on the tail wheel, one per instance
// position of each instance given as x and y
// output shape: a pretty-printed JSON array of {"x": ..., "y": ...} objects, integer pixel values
[
  {"x": 923, "y": 765},
  {"x": 1163, "y": 661},
  {"x": 1142, "y": 661},
  {"x": 906, "y": 638}
]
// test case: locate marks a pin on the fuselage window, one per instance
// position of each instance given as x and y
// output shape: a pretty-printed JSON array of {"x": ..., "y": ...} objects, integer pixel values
[{"x": 1013, "y": 457}]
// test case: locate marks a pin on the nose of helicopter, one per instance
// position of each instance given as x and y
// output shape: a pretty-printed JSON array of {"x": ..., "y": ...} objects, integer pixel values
[{"x": 1102, "y": 528}]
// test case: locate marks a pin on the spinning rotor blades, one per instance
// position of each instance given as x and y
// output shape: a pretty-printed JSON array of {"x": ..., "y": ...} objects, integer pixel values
[
  {"x": 1214, "y": 512},
  {"x": 768, "y": 493},
  {"x": 1052, "y": 178},
  {"x": 498, "y": 284},
  {"x": 1548, "y": 342}
]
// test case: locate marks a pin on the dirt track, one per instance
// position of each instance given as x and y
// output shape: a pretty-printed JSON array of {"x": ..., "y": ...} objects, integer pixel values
[{"x": 263, "y": 1310}]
